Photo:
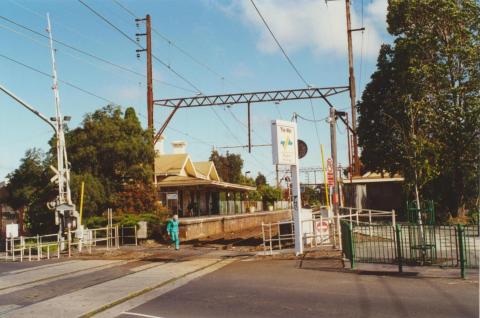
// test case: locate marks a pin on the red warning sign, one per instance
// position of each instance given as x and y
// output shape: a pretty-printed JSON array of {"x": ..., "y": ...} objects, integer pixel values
[{"x": 330, "y": 171}]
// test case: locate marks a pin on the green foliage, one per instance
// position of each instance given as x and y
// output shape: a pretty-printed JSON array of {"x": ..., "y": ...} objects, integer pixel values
[
  {"x": 111, "y": 147},
  {"x": 113, "y": 155},
  {"x": 95, "y": 199},
  {"x": 269, "y": 194},
  {"x": 110, "y": 152},
  {"x": 229, "y": 166},
  {"x": 155, "y": 222},
  {"x": 260, "y": 179},
  {"x": 95, "y": 221},
  {"x": 136, "y": 198},
  {"x": 30, "y": 189},
  {"x": 420, "y": 113}
]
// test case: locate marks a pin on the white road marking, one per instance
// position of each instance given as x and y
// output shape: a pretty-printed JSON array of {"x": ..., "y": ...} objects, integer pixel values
[{"x": 139, "y": 315}]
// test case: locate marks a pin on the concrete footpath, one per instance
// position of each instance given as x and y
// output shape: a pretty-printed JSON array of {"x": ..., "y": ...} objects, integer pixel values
[{"x": 88, "y": 301}]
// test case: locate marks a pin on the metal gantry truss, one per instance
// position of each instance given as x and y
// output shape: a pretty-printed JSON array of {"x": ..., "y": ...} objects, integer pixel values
[
  {"x": 253, "y": 97},
  {"x": 245, "y": 98}
]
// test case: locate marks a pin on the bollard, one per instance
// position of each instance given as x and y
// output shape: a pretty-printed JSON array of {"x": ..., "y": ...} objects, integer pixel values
[
  {"x": 58, "y": 246},
  {"x": 398, "y": 237},
  {"x": 117, "y": 242},
  {"x": 279, "y": 239},
  {"x": 263, "y": 236},
  {"x": 270, "y": 232},
  {"x": 136, "y": 240},
  {"x": 12, "y": 248},
  {"x": 39, "y": 249},
  {"x": 22, "y": 246},
  {"x": 461, "y": 244},
  {"x": 69, "y": 238},
  {"x": 351, "y": 245}
]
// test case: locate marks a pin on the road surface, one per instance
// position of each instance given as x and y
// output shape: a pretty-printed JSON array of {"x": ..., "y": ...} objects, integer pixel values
[{"x": 211, "y": 283}]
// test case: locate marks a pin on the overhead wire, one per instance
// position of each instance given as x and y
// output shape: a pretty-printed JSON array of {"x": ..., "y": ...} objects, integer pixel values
[
  {"x": 190, "y": 56},
  {"x": 103, "y": 18},
  {"x": 187, "y": 54},
  {"x": 279, "y": 45},
  {"x": 42, "y": 16},
  {"x": 164, "y": 64},
  {"x": 175, "y": 45},
  {"x": 182, "y": 133},
  {"x": 91, "y": 55},
  {"x": 78, "y": 57},
  {"x": 60, "y": 80},
  {"x": 291, "y": 64}
]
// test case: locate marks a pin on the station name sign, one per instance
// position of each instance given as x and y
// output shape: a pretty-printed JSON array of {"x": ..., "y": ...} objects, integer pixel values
[{"x": 284, "y": 142}]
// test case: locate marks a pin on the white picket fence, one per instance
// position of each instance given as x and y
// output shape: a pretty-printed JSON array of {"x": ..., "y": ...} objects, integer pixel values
[{"x": 47, "y": 246}]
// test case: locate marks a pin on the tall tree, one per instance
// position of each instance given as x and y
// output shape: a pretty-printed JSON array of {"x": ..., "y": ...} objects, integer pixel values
[
  {"x": 29, "y": 189},
  {"x": 420, "y": 113},
  {"x": 260, "y": 179},
  {"x": 113, "y": 154},
  {"x": 229, "y": 166}
]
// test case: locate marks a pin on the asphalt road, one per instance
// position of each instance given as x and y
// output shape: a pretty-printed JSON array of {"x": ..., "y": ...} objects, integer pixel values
[{"x": 284, "y": 288}]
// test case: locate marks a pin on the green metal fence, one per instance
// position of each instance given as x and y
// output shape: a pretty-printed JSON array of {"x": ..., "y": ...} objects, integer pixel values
[{"x": 410, "y": 244}]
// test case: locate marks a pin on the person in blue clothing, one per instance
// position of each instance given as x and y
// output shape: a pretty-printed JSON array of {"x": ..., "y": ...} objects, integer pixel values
[{"x": 172, "y": 230}]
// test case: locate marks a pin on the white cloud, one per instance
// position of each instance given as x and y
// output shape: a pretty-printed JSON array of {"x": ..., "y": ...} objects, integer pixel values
[
  {"x": 310, "y": 24},
  {"x": 377, "y": 12}
]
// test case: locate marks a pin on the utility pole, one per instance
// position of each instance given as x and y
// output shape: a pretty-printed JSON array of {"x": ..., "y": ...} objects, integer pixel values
[
  {"x": 356, "y": 160},
  {"x": 277, "y": 177},
  {"x": 148, "y": 50},
  {"x": 333, "y": 144}
]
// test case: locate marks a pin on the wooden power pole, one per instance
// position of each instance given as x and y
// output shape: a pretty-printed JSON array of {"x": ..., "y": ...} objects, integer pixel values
[
  {"x": 356, "y": 160},
  {"x": 148, "y": 50}
]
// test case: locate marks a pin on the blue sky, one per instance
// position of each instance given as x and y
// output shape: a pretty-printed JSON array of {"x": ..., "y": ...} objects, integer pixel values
[{"x": 227, "y": 36}]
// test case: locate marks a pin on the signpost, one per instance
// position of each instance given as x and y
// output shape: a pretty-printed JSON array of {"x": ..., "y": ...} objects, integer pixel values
[
  {"x": 285, "y": 152},
  {"x": 11, "y": 230},
  {"x": 330, "y": 172}
]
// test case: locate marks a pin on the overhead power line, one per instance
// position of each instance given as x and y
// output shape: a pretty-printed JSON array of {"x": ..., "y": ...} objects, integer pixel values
[
  {"x": 279, "y": 45},
  {"x": 173, "y": 44},
  {"x": 170, "y": 42},
  {"x": 91, "y": 55},
  {"x": 139, "y": 45},
  {"x": 62, "y": 81},
  {"x": 188, "y": 55}
]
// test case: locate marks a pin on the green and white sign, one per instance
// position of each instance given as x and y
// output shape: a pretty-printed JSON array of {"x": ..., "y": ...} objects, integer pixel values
[{"x": 284, "y": 142}]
